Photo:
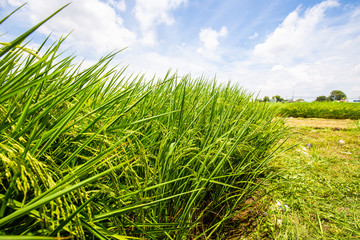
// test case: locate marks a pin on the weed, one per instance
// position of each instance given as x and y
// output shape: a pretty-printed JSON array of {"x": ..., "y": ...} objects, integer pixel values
[{"x": 320, "y": 184}]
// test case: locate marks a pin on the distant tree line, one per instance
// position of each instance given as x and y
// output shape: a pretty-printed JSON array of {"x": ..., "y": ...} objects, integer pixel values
[
  {"x": 275, "y": 98},
  {"x": 335, "y": 95}
]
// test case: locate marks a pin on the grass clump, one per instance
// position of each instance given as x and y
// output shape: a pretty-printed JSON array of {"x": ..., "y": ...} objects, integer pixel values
[
  {"x": 95, "y": 153},
  {"x": 357, "y": 124},
  {"x": 334, "y": 110}
]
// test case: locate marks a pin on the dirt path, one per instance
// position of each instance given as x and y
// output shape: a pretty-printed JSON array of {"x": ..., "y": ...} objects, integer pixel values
[{"x": 320, "y": 123}]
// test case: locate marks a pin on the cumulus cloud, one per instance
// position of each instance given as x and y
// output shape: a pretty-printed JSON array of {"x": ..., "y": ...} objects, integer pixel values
[
  {"x": 296, "y": 36},
  {"x": 119, "y": 4},
  {"x": 150, "y": 13},
  {"x": 209, "y": 37},
  {"x": 310, "y": 53},
  {"x": 14, "y": 2},
  {"x": 95, "y": 25},
  {"x": 153, "y": 63}
]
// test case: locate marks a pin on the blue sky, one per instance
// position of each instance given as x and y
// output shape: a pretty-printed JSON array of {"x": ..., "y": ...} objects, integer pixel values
[{"x": 305, "y": 48}]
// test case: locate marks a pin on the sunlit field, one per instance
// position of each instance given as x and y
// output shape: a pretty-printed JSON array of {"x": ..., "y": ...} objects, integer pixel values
[
  {"x": 329, "y": 110},
  {"x": 102, "y": 153},
  {"x": 315, "y": 193}
]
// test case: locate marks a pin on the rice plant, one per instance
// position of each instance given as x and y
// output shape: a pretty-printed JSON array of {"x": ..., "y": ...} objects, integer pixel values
[
  {"x": 334, "y": 110},
  {"x": 98, "y": 154}
]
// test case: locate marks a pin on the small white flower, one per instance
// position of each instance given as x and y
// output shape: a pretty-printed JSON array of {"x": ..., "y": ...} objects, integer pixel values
[
  {"x": 286, "y": 207},
  {"x": 282, "y": 207}
]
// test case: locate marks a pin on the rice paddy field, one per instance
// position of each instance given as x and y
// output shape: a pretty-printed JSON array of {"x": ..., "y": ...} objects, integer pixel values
[
  {"x": 98, "y": 153},
  {"x": 328, "y": 110}
]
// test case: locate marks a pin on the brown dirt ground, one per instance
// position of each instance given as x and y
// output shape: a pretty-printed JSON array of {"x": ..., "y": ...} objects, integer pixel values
[{"x": 320, "y": 123}]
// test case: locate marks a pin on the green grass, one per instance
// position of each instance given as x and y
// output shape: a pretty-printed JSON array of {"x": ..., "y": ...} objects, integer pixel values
[
  {"x": 319, "y": 186},
  {"x": 357, "y": 124},
  {"x": 98, "y": 154},
  {"x": 335, "y": 110}
]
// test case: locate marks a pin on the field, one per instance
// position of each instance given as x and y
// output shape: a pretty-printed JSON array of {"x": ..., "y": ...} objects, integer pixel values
[
  {"x": 329, "y": 110},
  {"x": 315, "y": 191},
  {"x": 98, "y": 153}
]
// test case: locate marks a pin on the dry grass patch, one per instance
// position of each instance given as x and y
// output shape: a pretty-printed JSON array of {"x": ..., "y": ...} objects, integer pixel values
[{"x": 321, "y": 123}]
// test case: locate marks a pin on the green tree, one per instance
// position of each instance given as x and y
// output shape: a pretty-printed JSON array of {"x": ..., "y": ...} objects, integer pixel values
[
  {"x": 266, "y": 99},
  {"x": 337, "y": 95},
  {"x": 277, "y": 98},
  {"x": 321, "y": 99}
]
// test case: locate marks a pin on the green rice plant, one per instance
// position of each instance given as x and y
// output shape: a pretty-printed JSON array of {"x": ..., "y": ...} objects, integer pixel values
[
  {"x": 96, "y": 153},
  {"x": 335, "y": 110}
]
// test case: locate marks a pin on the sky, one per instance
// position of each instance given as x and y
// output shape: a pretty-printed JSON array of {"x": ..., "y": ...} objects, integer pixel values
[{"x": 295, "y": 49}]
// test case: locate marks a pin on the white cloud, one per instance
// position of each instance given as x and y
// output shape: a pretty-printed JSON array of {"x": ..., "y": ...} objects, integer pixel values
[
  {"x": 150, "y": 13},
  {"x": 15, "y": 3},
  {"x": 209, "y": 37},
  {"x": 310, "y": 53},
  {"x": 254, "y": 36},
  {"x": 95, "y": 24},
  {"x": 277, "y": 67},
  {"x": 149, "y": 37},
  {"x": 119, "y": 4},
  {"x": 295, "y": 36}
]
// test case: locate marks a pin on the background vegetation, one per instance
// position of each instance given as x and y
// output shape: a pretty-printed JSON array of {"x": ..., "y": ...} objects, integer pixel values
[
  {"x": 335, "y": 110},
  {"x": 95, "y": 153}
]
